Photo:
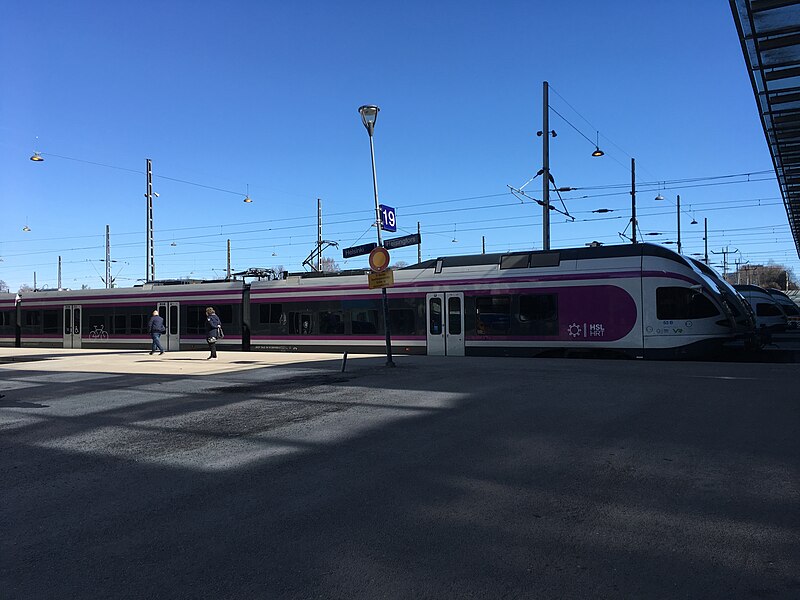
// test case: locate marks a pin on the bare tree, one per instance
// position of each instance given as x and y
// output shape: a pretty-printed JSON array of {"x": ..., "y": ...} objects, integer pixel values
[
  {"x": 329, "y": 265},
  {"x": 25, "y": 288},
  {"x": 400, "y": 264},
  {"x": 771, "y": 275},
  {"x": 4, "y": 286}
]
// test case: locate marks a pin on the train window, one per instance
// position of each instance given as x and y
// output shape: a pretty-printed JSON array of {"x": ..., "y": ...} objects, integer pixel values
[
  {"x": 225, "y": 313},
  {"x": 539, "y": 312},
  {"x": 550, "y": 259},
  {"x": 32, "y": 318},
  {"x": 195, "y": 319},
  {"x": 173, "y": 319},
  {"x": 493, "y": 315},
  {"x": 94, "y": 320},
  {"x": 300, "y": 324},
  {"x": 119, "y": 324},
  {"x": 270, "y": 313},
  {"x": 790, "y": 309},
  {"x": 436, "y": 316},
  {"x": 331, "y": 322},
  {"x": 402, "y": 320},
  {"x": 514, "y": 261},
  {"x": 50, "y": 321},
  {"x": 766, "y": 309},
  {"x": 138, "y": 324},
  {"x": 454, "y": 315},
  {"x": 683, "y": 303},
  {"x": 364, "y": 321}
]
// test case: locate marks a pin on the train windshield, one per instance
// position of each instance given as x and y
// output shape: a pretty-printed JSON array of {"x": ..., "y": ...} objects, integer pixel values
[{"x": 730, "y": 297}]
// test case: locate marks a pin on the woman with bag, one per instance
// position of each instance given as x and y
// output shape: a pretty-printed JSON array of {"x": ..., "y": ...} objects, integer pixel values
[{"x": 213, "y": 331}]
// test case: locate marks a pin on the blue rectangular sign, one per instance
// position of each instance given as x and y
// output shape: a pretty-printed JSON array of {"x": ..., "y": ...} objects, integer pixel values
[{"x": 388, "y": 218}]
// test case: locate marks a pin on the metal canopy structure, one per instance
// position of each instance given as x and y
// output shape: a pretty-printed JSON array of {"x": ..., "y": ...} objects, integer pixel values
[{"x": 770, "y": 34}]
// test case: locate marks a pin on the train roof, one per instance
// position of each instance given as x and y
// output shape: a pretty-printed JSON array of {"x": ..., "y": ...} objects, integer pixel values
[
  {"x": 746, "y": 287},
  {"x": 545, "y": 258}
]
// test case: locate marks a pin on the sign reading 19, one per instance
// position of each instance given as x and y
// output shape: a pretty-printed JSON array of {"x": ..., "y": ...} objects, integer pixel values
[{"x": 388, "y": 218}]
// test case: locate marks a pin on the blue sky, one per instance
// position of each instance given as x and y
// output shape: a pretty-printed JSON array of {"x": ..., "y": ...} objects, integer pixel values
[{"x": 264, "y": 96}]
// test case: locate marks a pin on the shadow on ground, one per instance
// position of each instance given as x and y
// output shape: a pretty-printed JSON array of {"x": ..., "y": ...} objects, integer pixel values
[{"x": 542, "y": 479}]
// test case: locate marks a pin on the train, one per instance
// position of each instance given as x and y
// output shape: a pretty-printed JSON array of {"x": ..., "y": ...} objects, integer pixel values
[{"x": 635, "y": 300}]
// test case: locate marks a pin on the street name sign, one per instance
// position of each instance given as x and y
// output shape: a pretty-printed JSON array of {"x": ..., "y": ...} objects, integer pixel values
[
  {"x": 358, "y": 250},
  {"x": 406, "y": 240}
]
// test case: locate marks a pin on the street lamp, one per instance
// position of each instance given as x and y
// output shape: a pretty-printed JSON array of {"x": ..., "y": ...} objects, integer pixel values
[
  {"x": 597, "y": 152},
  {"x": 369, "y": 115}
]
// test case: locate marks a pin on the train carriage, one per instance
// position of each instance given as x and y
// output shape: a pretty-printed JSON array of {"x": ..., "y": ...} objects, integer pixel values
[
  {"x": 117, "y": 318},
  {"x": 637, "y": 300}
]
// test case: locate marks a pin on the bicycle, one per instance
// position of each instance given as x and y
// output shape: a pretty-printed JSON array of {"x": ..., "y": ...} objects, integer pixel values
[{"x": 98, "y": 333}]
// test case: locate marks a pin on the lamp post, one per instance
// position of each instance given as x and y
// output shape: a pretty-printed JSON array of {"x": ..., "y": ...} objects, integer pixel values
[{"x": 369, "y": 115}]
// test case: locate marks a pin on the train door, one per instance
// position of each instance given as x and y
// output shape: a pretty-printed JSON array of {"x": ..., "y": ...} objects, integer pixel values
[
  {"x": 445, "y": 315},
  {"x": 72, "y": 325},
  {"x": 170, "y": 312}
]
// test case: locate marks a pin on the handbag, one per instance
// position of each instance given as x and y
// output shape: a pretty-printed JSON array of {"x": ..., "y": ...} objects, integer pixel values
[
  {"x": 211, "y": 340},
  {"x": 220, "y": 333}
]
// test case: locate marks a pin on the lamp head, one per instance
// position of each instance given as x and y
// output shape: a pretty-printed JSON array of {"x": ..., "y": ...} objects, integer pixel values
[
  {"x": 659, "y": 197},
  {"x": 597, "y": 152},
  {"x": 247, "y": 200},
  {"x": 369, "y": 115},
  {"x": 37, "y": 157}
]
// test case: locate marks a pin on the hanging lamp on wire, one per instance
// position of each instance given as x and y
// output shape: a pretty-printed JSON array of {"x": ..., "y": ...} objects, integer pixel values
[
  {"x": 659, "y": 197},
  {"x": 247, "y": 198},
  {"x": 597, "y": 151},
  {"x": 37, "y": 156}
]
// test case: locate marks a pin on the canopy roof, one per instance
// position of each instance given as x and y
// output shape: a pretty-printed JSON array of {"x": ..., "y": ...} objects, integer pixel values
[{"x": 770, "y": 34}]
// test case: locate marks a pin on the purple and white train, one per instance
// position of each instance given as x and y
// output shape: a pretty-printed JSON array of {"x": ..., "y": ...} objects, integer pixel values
[{"x": 637, "y": 300}]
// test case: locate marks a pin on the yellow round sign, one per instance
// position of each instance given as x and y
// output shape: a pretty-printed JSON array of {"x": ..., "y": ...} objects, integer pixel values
[{"x": 379, "y": 259}]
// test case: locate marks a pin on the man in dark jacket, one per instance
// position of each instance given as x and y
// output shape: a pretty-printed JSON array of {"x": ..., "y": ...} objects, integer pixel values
[{"x": 155, "y": 326}]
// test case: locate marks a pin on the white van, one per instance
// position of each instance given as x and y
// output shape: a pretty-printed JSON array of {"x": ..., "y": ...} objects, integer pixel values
[
  {"x": 769, "y": 315},
  {"x": 788, "y": 306}
]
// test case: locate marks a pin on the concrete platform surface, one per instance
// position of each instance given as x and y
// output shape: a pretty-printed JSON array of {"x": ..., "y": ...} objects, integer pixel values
[{"x": 278, "y": 476}]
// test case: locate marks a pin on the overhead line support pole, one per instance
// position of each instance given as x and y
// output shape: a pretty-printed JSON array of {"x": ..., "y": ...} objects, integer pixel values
[
  {"x": 150, "y": 266},
  {"x": 679, "y": 223},
  {"x": 545, "y": 166},
  {"x": 633, "y": 200}
]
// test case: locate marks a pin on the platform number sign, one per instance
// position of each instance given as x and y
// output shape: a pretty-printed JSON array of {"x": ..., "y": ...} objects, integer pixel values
[{"x": 388, "y": 218}]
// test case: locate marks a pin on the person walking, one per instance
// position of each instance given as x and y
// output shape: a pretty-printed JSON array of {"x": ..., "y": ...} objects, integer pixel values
[
  {"x": 155, "y": 326},
  {"x": 213, "y": 329}
]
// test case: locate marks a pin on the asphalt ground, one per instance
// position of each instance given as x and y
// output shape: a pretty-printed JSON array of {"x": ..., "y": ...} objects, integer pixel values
[{"x": 278, "y": 476}]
